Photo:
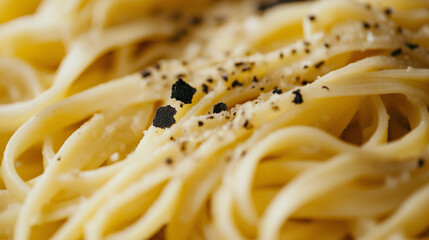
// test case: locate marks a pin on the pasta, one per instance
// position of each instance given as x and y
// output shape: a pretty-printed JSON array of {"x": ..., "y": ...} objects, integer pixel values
[{"x": 241, "y": 119}]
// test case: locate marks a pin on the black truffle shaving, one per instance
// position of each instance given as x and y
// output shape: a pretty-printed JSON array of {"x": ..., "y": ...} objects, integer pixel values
[
  {"x": 219, "y": 107},
  {"x": 164, "y": 117},
  {"x": 298, "y": 97},
  {"x": 182, "y": 91}
]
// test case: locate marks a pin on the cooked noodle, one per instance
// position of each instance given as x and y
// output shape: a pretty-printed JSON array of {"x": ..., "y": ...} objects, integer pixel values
[{"x": 140, "y": 119}]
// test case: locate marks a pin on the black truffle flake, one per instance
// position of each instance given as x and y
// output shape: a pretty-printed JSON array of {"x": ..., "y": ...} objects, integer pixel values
[
  {"x": 298, "y": 97},
  {"x": 164, "y": 117},
  {"x": 219, "y": 107},
  {"x": 396, "y": 52},
  {"x": 182, "y": 91}
]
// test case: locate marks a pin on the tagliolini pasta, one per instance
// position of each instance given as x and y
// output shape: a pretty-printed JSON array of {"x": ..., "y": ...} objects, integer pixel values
[{"x": 128, "y": 119}]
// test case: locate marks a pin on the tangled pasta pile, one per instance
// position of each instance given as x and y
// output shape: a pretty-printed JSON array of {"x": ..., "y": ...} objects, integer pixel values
[{"x": 200, "y": 119}]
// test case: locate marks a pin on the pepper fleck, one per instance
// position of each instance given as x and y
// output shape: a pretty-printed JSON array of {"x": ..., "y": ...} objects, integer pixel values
[
  {"x": 219, "y": 107},
  {"x": 237, "y": 64},
  {"x": 277, "y": 91},
  {"x": 388, "y": 11},
  {"x": 179, "y": 35},
  {"x": 420, "y": 162},
  {"x": 168, "y": 161},
  {"x": 196, "y": 20},
  {"x": 262, "y": 89},
  {"x": 411, "y": 45},
  {"x": 366, "y": 25},
  {"x": 200, "y": 123},
  {"x": 396, "y": 52},
  {"x": 293, "y": 51},
  {"x": 236, "y": 83},
  {"x": 255, "y": 79},
  {"x": 246, "y": 124},
  {"x": 304, "y": 82},
  {"x": 245, "y": 69},
  {"x": 307, "y": 50},
  {"x": 182, "y": 91},
  {"x": 325, "y": 87},
  {"x": 224, "y": 77},
  {"x": 298, "y": 97},
  {"x": 312, "y": 17},
  {"x": 399, "y": 30},
  {"x": 319, "y": 64},
  {"x": 164, "y": 117},
  {"x": 205, "y": 88},
  {"x": 145, "y": 73},
  {"x": 327, "y": 45},
  {"x": 281, "y": 55}
]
